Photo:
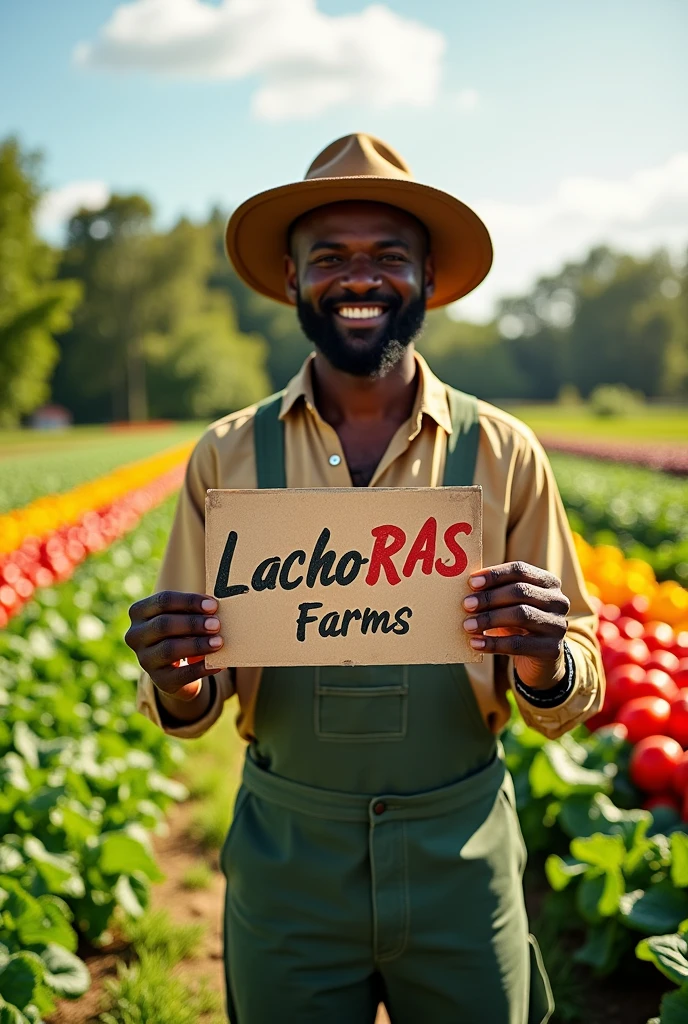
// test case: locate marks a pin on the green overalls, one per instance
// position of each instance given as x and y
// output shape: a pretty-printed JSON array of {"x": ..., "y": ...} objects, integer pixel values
[{"x": 375, "y": 853}]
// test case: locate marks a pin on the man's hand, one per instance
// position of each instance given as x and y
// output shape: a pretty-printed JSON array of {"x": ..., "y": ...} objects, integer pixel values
[
  {"x": 518, "y": 609},
  {"x": 168, "y": 628}
]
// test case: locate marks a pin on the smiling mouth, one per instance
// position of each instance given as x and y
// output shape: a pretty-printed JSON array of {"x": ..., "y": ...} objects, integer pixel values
[{"x": 362, "y": 313}]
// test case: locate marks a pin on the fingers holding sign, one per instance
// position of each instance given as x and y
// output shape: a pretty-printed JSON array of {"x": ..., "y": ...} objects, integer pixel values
[
  {"x": 170, "y": 628},
  {"x": 519, "y": 609}
]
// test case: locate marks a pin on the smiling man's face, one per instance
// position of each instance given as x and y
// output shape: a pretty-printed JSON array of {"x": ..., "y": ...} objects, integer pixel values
[{"x": 359, "y": 274}]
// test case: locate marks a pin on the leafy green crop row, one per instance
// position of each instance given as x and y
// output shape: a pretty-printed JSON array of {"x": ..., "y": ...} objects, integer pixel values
[
  {"x": 643, "y": 512},
  {"x": 82, "y": 778},
  {"x": 618, "y": 872},
  {"x": 25, "y": 477}
]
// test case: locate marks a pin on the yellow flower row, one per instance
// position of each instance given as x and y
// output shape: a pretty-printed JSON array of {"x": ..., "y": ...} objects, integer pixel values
[
  {"x": 616, "y": 579},
  {"x": 53, "y": 511}
]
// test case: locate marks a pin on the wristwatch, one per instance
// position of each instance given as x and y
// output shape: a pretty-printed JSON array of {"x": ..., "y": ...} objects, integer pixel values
[{"x": 553, "y": 695}]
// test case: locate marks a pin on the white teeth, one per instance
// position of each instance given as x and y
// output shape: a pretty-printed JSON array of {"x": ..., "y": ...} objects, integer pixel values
[{"x": 360, "y": 313}]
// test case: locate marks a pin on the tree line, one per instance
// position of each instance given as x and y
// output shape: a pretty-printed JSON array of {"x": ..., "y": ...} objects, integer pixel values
[{"x": 126, "y": 321}]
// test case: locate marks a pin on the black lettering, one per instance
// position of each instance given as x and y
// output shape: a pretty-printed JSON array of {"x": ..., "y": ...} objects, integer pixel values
[
  {"x": 222, "y": 587},
  {"x": 265, "y": 574},
  {"x": 304, "y": 618},
  {"x": 399, "y": 621},
  {"x": 321, "y": 562},
  {"x": 347, "y": 616},
  {"x": 343, "y": 576},
  {"x": 376, "y": 620},
  {"x": 328, "y": 625},
  {"x": 284, "y": 581}
]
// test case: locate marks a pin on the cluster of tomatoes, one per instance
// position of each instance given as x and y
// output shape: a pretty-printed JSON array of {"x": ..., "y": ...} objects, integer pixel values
[
  {"x": 646, "y": 665},
  {"x": 40, "y": 562}
]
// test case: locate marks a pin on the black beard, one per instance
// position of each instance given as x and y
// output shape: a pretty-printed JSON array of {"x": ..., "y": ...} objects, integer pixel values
[{"x": 401, "y": 329}]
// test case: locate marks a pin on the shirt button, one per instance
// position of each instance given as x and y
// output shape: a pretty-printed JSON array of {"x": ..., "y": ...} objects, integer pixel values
[
  {"x": 334, "y": 460},
  {"x": 380, "y": 807}
]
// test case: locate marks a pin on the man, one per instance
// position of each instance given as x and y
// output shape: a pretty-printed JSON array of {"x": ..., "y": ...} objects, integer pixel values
[{"x": 375, "y": 853}]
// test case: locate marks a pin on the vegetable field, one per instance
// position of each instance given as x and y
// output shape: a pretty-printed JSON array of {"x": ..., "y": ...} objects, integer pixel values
[{"x": 86, "y": 783}]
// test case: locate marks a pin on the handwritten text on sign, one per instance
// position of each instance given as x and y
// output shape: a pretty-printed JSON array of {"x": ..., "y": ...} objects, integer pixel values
[{"x": 332, "y": 576}]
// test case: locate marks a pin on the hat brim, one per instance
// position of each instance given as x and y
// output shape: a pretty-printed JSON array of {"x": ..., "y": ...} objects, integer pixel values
[{"x": 256, "y": 235}]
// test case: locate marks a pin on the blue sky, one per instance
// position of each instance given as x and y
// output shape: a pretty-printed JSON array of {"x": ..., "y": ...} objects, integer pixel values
[{"x": 562, "y": 124}]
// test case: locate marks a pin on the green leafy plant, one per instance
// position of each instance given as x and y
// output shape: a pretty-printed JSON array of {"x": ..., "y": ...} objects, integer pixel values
[{"x": 83, "y": 779}]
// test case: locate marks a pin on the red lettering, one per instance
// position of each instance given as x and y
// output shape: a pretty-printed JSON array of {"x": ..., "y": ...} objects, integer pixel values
[
  {"x": 422, "y": 549},
  {"x": 381, "y": 555},
  {"x": 460, "y": 559}
]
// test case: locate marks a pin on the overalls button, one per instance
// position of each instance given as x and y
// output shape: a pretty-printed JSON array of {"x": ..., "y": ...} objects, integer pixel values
[
  {"x": 334, "y": 460},
  {"x": 380, "y": 807}
]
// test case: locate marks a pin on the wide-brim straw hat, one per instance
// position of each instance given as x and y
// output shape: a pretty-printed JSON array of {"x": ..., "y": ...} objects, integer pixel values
[{"x": 358, "y": 167}]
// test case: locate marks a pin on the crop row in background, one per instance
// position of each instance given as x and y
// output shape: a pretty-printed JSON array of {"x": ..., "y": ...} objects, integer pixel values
[{"x": 83, "y": 779}]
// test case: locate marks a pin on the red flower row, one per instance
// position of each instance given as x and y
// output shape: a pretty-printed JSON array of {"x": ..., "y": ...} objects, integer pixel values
[
  {"x": 53, "y": 558},
  {"x": 666, "y": 457}
]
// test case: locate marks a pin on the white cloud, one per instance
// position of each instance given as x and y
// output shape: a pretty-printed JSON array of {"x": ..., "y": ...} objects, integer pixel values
[
  {"x": 647, "y": 210},
  {"x": 305, "y": 61},
  {"x": 467, "y": 99},
  {"x": 58, "y": 205}
]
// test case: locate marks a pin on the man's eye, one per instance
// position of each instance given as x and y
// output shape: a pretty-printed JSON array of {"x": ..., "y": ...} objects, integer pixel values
[
  {"x": 327, "y": 259},
  {"x": 396, "y": 257}
]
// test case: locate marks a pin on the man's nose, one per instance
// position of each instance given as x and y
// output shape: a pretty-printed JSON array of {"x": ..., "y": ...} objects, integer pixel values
[{"x": 361, "y": 275}]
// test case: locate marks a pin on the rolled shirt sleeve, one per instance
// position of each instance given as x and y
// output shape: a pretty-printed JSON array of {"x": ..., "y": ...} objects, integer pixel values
[
  {"x": 539, "y": 533},
  {"x": 183, "y": 569}
]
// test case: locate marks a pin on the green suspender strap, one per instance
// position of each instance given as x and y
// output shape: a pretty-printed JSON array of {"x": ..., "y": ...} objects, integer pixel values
[
  {"x": 268, "y": 433},
  {"x": 462, "y": 444}
]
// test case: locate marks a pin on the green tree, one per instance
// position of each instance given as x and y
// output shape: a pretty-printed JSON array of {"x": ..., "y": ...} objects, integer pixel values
[
  {"x": 33, "y": 305},
  {"x": 151, "y": 336}
]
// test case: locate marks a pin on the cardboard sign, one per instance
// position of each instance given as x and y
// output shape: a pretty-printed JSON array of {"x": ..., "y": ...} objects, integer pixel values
[{"x": 342, "y": 576}]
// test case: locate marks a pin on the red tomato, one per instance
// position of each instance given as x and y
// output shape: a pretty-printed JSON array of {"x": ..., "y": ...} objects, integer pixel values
[
  {"x": 621, "y": 684},
  {"x": 680, "y": 648},
  {"x": 624, "y": 651},
  {"x": 664, "y": 660},
  {"x": 602, "y": 718},
  {"x": 653, "y": 763},
  {"x": 656, "y": 684},
  {"x": 637, "y": 607},
  {"x": 607, "y": 632},
  {"x": 609, "y": 612},
  {"x": 679, "y": 779},
  {"x": 663, "y": 800},
  {"x": 658, "y": 635},
  {"x": 677, "y": 726},
  {"x": 681, "y": 673},
  {"x": 4, "y": 617},
  {"x": 8, "y": 597},
  {"x": 628, "y": 627},
  {"x": 644, "y": 716}
]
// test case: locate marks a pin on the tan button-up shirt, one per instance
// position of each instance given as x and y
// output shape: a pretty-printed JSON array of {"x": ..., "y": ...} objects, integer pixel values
[{"x": 523, "y": 519}]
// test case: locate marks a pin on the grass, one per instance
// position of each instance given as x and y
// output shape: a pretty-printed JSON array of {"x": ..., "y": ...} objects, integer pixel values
[
  {"x": 211, "y": 774},
  {"x": 155, "y": 933},
  {"x": 147, "y": 991},
  {"x": 200, "y": 876},
  {"x": 28, "y": 440},
  {"x": 658, "y": 424}
]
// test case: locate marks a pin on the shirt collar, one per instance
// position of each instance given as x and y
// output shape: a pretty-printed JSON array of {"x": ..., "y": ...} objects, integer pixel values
[{"x": 431, "y": 397}]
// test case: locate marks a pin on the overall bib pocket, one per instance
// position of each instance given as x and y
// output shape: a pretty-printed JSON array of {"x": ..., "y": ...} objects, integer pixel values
[{"x": 373, "y": 707}]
